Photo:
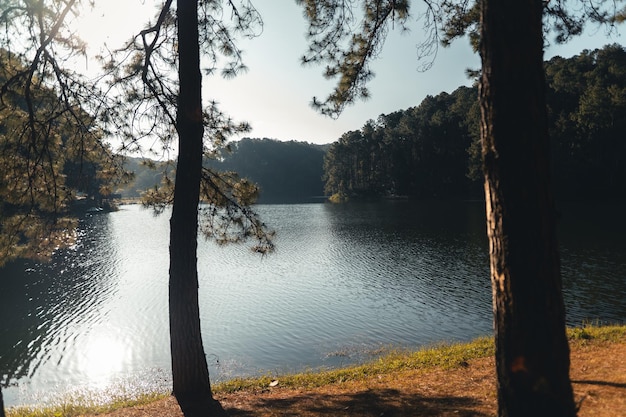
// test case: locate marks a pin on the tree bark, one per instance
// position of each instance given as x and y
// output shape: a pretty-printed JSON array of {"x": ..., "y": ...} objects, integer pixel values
[
  {"x": 532, "y": 353},
  {"x": 190, "y": 374}
]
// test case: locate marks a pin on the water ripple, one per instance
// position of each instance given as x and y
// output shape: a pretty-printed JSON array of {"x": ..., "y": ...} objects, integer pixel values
[{"x": 345, "y": 282}]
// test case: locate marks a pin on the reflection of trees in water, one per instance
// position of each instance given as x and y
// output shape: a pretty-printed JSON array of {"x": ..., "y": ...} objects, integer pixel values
[
  {"x": 431, "y": 257},
  {"x": 43, "y": 305},
  {"x": 593, "y": 258},
  {"x": 450, "y": 251},
  {"x": 601, "y": 277}
]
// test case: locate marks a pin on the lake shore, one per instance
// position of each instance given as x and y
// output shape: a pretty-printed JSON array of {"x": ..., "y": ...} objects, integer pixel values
[{"x": 454, "y": 380}]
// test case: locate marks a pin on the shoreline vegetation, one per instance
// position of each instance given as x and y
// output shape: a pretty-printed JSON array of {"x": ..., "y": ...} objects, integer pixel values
[{"x": 446, "y": 379}]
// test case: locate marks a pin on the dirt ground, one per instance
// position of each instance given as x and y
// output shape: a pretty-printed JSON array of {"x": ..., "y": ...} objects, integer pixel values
[{"x": 598, "y": 374}]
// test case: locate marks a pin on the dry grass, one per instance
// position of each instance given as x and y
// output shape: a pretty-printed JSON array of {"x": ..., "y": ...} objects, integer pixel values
[{"x": 598, "y": 372}]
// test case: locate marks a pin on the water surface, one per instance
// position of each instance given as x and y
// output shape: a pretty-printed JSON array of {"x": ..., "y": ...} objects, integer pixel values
[{"x": 345, "y": 281}]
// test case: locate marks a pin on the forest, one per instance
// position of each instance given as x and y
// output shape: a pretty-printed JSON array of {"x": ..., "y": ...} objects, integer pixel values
[{"x": 433, "y": 150}]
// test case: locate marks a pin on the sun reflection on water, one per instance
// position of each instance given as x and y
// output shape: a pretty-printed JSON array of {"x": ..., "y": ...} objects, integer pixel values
[{"x": 104, "y": 358}]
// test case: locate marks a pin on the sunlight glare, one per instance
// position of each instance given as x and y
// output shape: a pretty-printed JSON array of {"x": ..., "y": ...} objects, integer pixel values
[
  {"x": 105, "y": 357},
  {"x": 112, "y": 23}
]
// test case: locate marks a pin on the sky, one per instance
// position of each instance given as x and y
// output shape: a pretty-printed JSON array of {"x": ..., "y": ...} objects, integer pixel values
[{"x": 274, "y": 95}]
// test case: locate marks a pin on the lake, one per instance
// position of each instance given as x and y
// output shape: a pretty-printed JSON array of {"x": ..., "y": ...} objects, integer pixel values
[{"x": 345, "y": 283}]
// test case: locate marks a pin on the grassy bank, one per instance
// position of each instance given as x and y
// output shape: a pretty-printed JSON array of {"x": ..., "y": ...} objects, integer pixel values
[
  {"x": 442, "y": 356},
  {"x": 436, "y": 359}
]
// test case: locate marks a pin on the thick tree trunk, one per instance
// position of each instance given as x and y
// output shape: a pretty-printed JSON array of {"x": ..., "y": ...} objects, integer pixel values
[
  {"x": 189, "y": 367},
  {"x": 532, "y": 354}
]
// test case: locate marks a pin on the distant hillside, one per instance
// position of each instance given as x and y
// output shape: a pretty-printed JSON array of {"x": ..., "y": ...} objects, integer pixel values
[
  {"x": 145, "y": 178},
  {"x": 284, "y": 171}
]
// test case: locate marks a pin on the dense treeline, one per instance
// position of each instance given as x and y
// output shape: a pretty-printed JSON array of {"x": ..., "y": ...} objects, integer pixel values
[
  {"x": 587, "y": 110},
  {"x": 433, "y": 150},
  {"x": 421, "y": 151}
]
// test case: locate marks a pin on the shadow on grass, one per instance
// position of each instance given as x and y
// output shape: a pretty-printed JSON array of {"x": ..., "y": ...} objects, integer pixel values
[
  {"x": 374, "y": 403},
  {"x": 604, "y": 383}
]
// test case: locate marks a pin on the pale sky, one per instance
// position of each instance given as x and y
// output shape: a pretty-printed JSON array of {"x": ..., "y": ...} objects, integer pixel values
[{"x": 274, "y": 95}]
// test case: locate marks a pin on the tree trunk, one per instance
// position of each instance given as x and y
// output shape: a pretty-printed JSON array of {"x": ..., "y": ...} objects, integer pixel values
[
  {"x": 1, "y": 404},
  {"x": 190, "y": 373},
  {"x": 532, "y": 354}
]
